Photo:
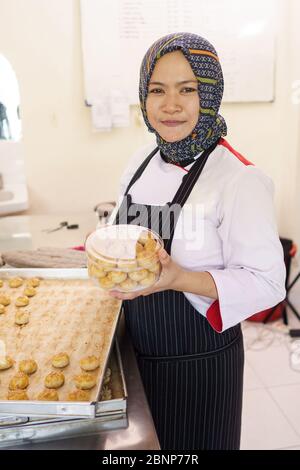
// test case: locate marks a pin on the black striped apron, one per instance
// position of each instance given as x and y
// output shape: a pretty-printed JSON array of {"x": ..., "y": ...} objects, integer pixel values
[{"x": 193, "y": 376}]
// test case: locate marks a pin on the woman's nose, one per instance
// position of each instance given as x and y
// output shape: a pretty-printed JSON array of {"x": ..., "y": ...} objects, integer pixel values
[{"x": 171, "y": 103}]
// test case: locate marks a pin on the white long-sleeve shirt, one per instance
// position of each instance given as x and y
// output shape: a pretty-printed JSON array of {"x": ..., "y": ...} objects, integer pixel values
[{"x": 227, "y": 227}]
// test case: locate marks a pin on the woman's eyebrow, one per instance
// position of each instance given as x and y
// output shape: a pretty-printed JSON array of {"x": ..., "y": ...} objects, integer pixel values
[{"x": 178, "y": 83}]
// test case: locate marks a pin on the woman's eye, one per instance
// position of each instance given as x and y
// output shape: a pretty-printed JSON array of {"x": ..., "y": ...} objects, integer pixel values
[
  {"x": 156, "y": 90},
  {"x": 189, "y": 90}
]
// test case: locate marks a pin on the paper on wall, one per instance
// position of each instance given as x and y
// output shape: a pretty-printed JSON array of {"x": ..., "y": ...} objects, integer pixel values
[
  {"x": 101, "y": 114},
  {"x": 119, "y": 108}
]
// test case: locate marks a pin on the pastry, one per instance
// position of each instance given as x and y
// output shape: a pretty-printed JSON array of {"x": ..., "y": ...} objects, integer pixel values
[
  {"x": 144, "y": 236},
  {"x": 96, "y": 271},
  {"x": 138, "y": 275},
  {"x": 34, "y": 282},
  {"x": 60, "y": 360},
  {"x": 6, "y": 363},
  {"x": 79, "y": 395},
  {"x": 106, "y": 266},
  {"x": 149, "y": 280},
  {"x": 145, "y": 259},
  {"x": 138, "y": 247},
  {"x": 22, "y": 301},
  {"x": 2, "y": 309},
  {"x": 4, "y": 300},
  {"x": 22, "y": 317},
  {"x": 150, "y": 245},
  {"x": 15, "y": 282},
  {"x": 128, "y": 285},
  {"x": 127, "y": 264},
  {"x": 54, "y": 380},
  {"x": 106, "y": 394},
  {"x": 155, "y": 268},
  {"x": 28, "y": 366},
  {"x": 106, "y": 283},
  {"x": 48, "y": 395},
  {"x": 85, "y": 381},
  {"x": 117, "y": 276},
  {"x": 18, "y": 381},
  {"x": 89, "y": 363},
  {"x": 29, "y": 291},
  {"x": 107, "y": 376},
  {"x": 1, "y": 283},
  {"x": 17, "y": 395}
]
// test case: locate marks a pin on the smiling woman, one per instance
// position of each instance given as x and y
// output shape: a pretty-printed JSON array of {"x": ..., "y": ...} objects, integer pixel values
[
  {"x": 217, "y": 268},
  {"x": 173, "y": 105}
]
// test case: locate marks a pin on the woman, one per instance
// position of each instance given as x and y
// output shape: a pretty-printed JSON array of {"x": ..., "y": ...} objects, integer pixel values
[{"x": 222, "y": 259}]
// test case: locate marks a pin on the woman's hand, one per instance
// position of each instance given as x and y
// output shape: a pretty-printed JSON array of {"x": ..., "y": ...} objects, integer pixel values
[{"x": 168, "y": 280}]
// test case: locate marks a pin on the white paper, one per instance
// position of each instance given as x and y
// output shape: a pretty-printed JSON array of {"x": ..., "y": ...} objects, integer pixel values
[
  {"x": 101, "y": 114},
  {"x": 120, "y": 110}
]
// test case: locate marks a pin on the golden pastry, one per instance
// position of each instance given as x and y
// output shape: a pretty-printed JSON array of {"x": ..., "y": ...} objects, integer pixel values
[
  {"x": 85, "y": 381},
  {"x": 2, "y": 309},
  {"x": 107, "y": 376},
  {"x": 60, "y": 360},
  {"x": 117, "y": 276},
  {"x": 106, "y": 394},
  {"x": 22, "y": 301},
  {"x": 105, "y": 265},
  {"x": 15, "y": 282},
  {"x": 138, "y": 247},
  {"x": 150, "y": 245},
  {"x": 128, "y": 285},
  {"x": 22, "y": 317},
  {"x": 19, "y": 381},
  {"x": 127, "y": 264},
  {"x": 1, "y": 283},
  {"x": 6, "y": 363},
  {"x": 138, "y": 275},
  {"x": 144, "y": 237},
  {"x": 48, "y": 395},
  {"x": 155, "y": 268},
  {"x": 54, "y": 380},
  {"x": 33, "y": 282},
  {"x": 106, "y": 283},
  {"x": 145, "y": 260},
  {"x": 96, "y": 271},
  {"x": 89, "y": 363},
  {"x": 4, "y": 300},
  {"x": 149, "y": 280},
  {"x": 29, "y": 291},
  {"x": 17, "y": 395},
  {"x": 28, "y": 366},
  {"x": 79, "y": 395}
]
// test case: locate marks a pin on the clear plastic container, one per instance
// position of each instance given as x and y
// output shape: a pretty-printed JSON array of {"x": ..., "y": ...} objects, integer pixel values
[{"x": 123, "y": 257}]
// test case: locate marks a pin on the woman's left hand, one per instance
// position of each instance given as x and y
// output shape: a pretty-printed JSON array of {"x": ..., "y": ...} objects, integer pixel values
[{"x": 168, "y": 279}]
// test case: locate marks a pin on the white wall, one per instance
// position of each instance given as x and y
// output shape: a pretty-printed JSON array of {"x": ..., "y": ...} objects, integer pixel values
[{"x": 69, "y": 168}]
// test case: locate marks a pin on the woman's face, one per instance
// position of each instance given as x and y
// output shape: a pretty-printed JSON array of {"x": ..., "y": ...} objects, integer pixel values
[{"x": 172, "y": 103}]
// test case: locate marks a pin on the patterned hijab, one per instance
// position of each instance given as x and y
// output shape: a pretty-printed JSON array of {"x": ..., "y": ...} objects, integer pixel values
[{"x": 205, "y": 64}]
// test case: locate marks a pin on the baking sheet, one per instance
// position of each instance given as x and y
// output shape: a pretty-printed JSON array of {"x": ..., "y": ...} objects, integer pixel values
[{"x": 68, "y": 314}]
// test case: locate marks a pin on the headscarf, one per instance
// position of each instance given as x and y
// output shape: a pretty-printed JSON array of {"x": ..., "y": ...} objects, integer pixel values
[{"x": 205, "y": 64}]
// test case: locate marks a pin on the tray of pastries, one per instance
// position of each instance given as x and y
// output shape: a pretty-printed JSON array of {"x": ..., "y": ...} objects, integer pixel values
[{"x": 56, "y": 333}]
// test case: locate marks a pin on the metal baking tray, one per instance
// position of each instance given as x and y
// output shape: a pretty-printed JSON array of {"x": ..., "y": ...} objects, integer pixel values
[
  {"x": 110, "y": 415},
  {"x": 58, "y": 409}
]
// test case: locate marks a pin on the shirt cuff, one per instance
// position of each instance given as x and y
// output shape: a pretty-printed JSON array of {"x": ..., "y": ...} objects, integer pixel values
[{"x": 214, "y": 318}]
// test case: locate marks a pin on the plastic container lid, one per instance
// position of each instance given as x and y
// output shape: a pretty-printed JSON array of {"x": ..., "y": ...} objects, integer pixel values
[{"x": 113, "y": 243}]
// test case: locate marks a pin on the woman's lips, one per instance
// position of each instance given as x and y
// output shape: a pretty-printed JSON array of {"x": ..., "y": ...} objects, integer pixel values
[{"x": 172, "y": 123}]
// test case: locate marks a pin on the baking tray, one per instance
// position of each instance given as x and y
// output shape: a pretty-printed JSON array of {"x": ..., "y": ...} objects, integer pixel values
[
  {"x": 60, "y": 408},
  {"x": 110, "y": 415}
]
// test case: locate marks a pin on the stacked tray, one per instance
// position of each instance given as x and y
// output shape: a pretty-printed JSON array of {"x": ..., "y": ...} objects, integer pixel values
[{"x": 68, "y": 313}]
